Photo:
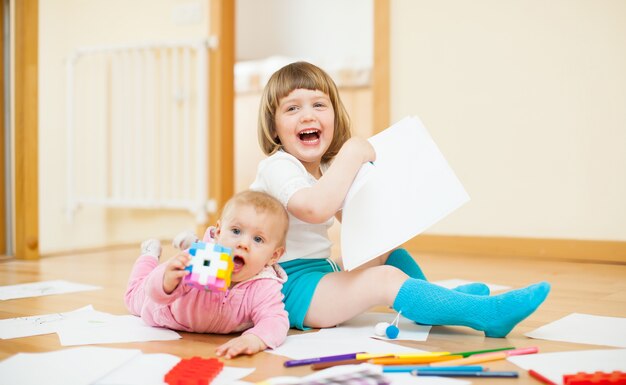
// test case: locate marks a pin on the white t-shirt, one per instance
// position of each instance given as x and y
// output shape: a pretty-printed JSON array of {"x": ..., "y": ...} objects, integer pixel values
[{"x": 281, "y": 175}]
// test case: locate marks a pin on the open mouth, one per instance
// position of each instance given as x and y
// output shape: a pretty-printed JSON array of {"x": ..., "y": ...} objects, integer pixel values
[
  {"x": 238, "y": 263},
  {"x": 311, "y": 135}
]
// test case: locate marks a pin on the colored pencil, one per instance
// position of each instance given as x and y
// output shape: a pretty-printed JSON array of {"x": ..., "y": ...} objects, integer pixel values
[
  {"x": 541, "y": 378},
  {"x": 308, "y": 361},
  {"x": 470, "y": 353},
  {"x": 453, "y": 373},
  {"x": 475, "y": 359},
  {"x": 410, "y": 368},
  {"x": 414, "y": 360},
  {"x": 324, "y": 365}
]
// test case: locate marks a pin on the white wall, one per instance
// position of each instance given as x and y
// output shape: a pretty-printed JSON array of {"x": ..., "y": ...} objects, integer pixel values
[
  {"x": 64, "y": 26},
  {"x": 322, "y": 31},
  {"x": 527, "y": 100}
]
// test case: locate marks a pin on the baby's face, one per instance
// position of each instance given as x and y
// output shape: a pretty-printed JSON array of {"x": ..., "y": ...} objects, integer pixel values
[{"x": 254, "y": 238}]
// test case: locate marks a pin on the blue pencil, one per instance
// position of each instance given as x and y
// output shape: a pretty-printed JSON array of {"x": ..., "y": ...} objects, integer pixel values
[
  {"x": 453, "y": 373},
  {"x": 422, "y": 368}
]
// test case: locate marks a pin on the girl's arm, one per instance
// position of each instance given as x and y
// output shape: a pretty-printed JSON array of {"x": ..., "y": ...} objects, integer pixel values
[{"x": 320, "y": 202}]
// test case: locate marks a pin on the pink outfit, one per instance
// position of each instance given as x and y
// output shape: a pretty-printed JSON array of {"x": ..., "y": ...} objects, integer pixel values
[{"x": 254, "y": 305}]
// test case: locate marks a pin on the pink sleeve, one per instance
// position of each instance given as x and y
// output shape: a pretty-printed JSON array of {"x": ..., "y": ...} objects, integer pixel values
[
  {"x": 154, "y": 287},
  {"x": 271, "y": 322}
]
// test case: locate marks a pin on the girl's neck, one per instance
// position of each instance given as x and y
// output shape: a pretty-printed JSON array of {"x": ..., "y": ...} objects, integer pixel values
[{"x": 313, "y": 169}]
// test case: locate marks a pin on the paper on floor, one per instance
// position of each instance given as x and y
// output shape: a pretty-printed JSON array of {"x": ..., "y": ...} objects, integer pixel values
[
  {"x": 554, "y": 365},
  {"x": 350, "y": 337},
  {"x": 456, "y": 282},
  {"x": 584, "y": 329},
  {"x": 38, "y": 289}
]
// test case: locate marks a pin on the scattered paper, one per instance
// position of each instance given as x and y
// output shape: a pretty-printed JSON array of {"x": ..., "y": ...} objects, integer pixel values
[
  {"x": 150, "y": 369},
  {"x": 79, "y": 366},
  {"x": 115, "y": 329},
  {"x": 363, "y": 326},
  {"x": 416, "y": 184},
  {"x": 554, "y": 365},
  {"x": 41, "y": 324},
  {"x": 584, "y": 329},
  {"x": 85, "y": 326},
  {"x": 455, "y": 282},
  {"x": 38, "y": 289},
  {"x": 350, "y": 337}
]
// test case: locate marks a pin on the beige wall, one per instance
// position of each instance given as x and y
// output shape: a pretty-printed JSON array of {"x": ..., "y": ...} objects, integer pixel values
[
  {"x": 64, "y": 26},
  {"x": 527, "y": 100}
]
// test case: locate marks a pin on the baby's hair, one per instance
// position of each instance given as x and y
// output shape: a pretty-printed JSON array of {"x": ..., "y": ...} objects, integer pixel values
[
  {"x": 262, "y": 202},
  {"x": 300, "y": 75}
]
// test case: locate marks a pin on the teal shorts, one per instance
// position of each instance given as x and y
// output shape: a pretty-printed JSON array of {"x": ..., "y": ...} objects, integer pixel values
[{"x": 303, "y": 275}]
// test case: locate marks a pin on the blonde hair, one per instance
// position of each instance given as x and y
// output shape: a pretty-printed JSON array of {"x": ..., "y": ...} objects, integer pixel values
[
  {"x": 261, "y": 202},
  {"x": 300, "y": 75}
]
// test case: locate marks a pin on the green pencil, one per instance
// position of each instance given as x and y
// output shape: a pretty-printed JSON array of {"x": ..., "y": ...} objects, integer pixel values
[{"x": 467, "y": 354}]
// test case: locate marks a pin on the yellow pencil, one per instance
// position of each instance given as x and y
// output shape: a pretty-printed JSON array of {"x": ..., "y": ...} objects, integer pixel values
[
  {"x": 368, "y": 356},
  {"x": 413, "y": 360},
  {"x": 475, "y": 359}
]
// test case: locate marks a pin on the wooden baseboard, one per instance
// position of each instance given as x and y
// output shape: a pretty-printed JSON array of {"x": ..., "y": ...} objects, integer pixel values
[{"x": 564, "y": 249}]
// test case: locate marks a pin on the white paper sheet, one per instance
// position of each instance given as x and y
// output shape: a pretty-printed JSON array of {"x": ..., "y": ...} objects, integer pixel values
[
  {"x": 150, "y": 369},
  {"x": 41, "y": 324},
  {"x": 554, "y": 365},
  {"x": 456, "y": 282},
  {"x": 410, "y": 188},
  {"x": 115, "y": 329},
  {"x": 78, "y": 366},
  {"x": 584, "y": 329},
  {"x": 38, "y": 289},
  {"x": 363, "y": 326},
  {"x": 351, "y": 337}
]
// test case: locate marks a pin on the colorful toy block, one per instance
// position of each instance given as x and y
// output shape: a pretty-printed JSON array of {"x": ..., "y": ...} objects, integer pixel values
[
  {"x": 597, "y": 378},
  {"x": 194, "y": 371},
  {"x": 211, "y": 266}
]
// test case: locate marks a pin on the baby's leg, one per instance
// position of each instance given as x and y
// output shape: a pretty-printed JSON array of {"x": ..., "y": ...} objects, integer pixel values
[
  {"x": 147, "y": 261},
  {"x": 427, "y": 303}
]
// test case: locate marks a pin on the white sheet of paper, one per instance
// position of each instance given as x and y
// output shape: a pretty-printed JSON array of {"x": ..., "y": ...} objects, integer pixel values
[
  {"x": 410, "y": 188},
  {"x": 584, "y": 329},
  {"x": 78, "y": 366},
  {"x": 38, "y": 289},
  {"x": 40, "y": 324},
  {"x": 456, "y": 282},
  {"x": 363, "y": 326},
  {"x": 554, "y": 365},
  {"x": 150, "y": 369},
  {"x": 116, "y": 329}
]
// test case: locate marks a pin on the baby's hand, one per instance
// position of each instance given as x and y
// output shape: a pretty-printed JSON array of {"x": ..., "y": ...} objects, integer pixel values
[
  {"x": 245, "y": 344},
  {"x": 361, "y": 147},
  {"x": 175, "y": 271}
]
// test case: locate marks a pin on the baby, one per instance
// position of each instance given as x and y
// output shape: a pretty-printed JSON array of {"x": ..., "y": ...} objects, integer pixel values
[{"x": 254, "y": 225}]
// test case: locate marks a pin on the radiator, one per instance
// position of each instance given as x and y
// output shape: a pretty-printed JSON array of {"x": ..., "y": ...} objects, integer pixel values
[{"x": 137, "y": 127}]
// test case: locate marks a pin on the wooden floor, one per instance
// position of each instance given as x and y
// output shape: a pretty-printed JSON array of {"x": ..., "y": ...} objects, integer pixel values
[{"x": 576, "y": 287}]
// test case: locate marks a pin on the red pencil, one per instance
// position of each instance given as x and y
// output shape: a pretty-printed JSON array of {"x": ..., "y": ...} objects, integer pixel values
[{"x": 541, "y": 378}]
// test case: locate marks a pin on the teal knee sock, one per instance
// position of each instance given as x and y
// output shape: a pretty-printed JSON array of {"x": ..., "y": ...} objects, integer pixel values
[
  {"x": 427, "y": 303},
  {"x": 401, "y": 259}
]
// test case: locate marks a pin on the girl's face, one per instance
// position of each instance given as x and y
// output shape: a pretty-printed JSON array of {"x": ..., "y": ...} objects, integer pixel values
[{"x": 305, "y": 125}]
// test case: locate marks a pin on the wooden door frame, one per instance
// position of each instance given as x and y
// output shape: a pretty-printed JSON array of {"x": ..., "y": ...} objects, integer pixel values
[
  {"x": 221, "y": 105},
  {"x": 381, "y": 115},
  {"x": 26, "y": 193}
]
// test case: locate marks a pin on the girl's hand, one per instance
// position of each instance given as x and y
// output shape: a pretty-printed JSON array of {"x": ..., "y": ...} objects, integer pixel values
[
  {"x": 360, "y": 147},
  {"x": 246, "y": 344},
  {"x": 175, "y": 271}
]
